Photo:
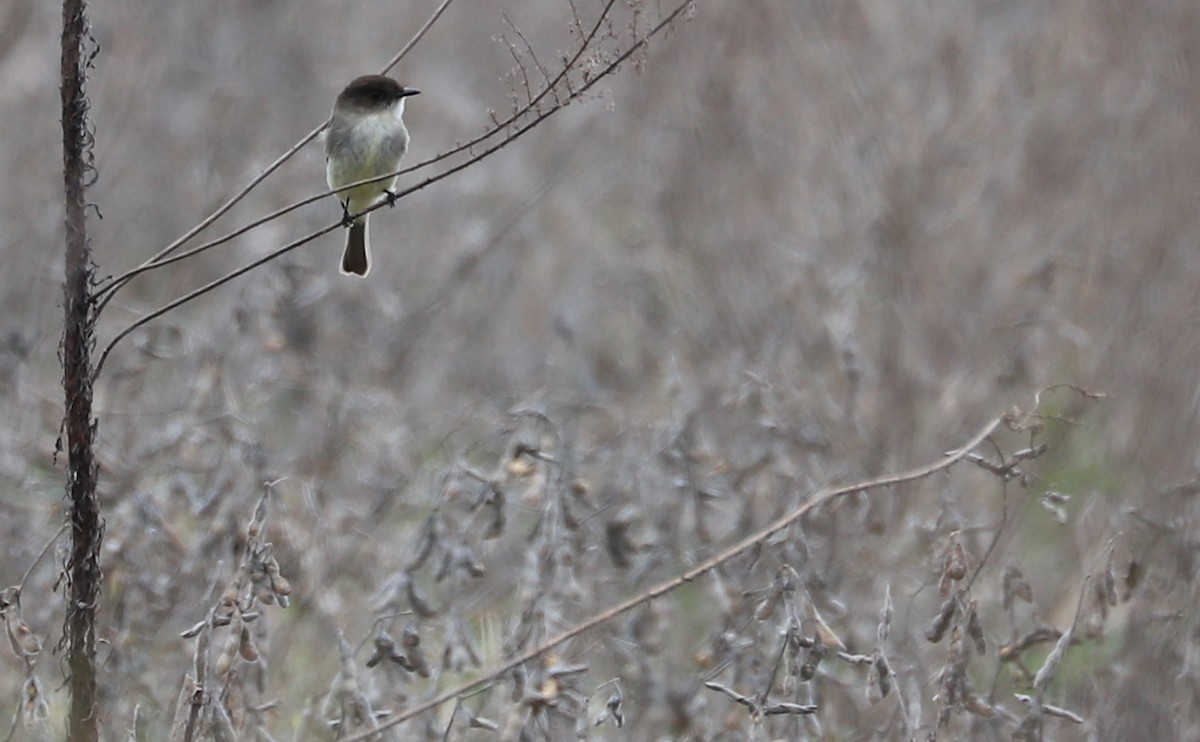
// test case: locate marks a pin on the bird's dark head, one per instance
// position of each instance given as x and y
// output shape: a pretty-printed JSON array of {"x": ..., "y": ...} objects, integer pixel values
[{"x": 372, "y": 93}]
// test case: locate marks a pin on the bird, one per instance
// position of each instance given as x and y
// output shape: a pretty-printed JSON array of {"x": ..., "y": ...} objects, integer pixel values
[{"x": 367, "y": 138}]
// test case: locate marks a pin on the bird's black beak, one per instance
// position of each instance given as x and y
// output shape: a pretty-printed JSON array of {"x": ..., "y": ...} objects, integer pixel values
[{"x": 405, "y": 92}]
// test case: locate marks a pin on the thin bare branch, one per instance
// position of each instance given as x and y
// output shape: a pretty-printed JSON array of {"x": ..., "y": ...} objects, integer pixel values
[
  {"x": 512, "y": 50},
  {"x": 41, "y": 555},
  {"x": 111, "y": 287},
  {"x": 529, "y": 50},
  {"x": 205, "y": 289},
  {"x": 437, "y": 13}
]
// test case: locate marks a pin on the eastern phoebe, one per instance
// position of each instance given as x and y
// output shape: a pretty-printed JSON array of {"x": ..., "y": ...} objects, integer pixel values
[{"x": 366, "y": 139}]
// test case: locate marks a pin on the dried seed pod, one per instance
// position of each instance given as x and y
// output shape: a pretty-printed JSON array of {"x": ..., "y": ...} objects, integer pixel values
[
  {"x": 956, "y": 561},
  {"x": 24, "y": 642},
  {"x": 874, "y": 693},
  {"x": 194, "y": 631},
  {"x": 613, "y": 707},
  {"x": 385, "y": 649},
  {"x": 417, "y": 600},
  {"x": 945, "y": 584},
  {"x": 815, "y": 654},
  {"x": 426, "y": 539},
  {"x": 495, "y": 503},
  {"x": 232, "y": 647},
  {"x": 225, "y": 662},
  {"x": 885, "y": 674},
  {"x": 246, "y": 646},
  {"x": 941, "y": 621},
  {"x": 885, "y": 616},
  {"x": 411, "y": 638},
  {"x": 974, "y": 628},
  {"x": 34, "y": 708},
  {"x": 414, "y": 659},
  {"x": 279, "y": 583}
]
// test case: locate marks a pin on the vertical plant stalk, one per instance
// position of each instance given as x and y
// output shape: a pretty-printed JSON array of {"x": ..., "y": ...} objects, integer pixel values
[{"x": 83, "y": 563}]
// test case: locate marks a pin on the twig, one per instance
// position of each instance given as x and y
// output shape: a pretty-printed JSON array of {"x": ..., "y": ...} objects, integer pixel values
[
  {"x": 512, "y": 50},
  {"x": 40, "y": 556},
  {"x": 1048, "y": 668},
  {"x": 417, "y": 36},
  {"x": 529, "y": 49}
]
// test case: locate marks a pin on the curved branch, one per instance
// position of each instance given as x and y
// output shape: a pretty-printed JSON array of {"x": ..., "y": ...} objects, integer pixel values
[
  {"x": 437, "y": 13},
  {"x": 109, "y": 290},
  {"x": 204, "y": 290},
  {"x": 116, "y": 283}
]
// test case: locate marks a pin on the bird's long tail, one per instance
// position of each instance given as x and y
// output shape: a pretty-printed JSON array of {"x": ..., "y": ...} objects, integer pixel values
[{"x": 356, "y": 259}]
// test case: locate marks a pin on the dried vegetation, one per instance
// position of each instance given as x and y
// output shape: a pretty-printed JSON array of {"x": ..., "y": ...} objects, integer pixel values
[{"x": 787, "y": 245}]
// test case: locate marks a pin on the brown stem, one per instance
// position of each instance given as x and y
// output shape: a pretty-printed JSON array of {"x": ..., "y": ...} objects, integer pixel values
[{"x": 83, "y": 563}]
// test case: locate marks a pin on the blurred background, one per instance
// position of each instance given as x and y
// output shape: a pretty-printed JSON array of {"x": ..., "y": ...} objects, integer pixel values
[{"x": 791, "y": 243}]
